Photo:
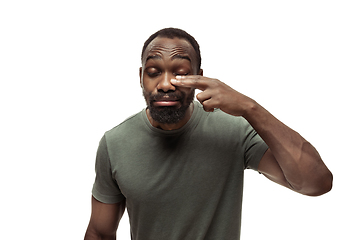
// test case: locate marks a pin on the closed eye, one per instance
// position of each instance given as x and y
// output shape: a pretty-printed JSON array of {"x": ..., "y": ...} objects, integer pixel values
[
  {"x": 153, "y": 72},
  {"x": 181, "y": 74}
]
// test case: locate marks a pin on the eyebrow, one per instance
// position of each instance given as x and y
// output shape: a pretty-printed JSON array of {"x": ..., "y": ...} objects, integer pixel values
[
  {"x": 153, "y": 57},
  {"x": 179, "y": 56}
]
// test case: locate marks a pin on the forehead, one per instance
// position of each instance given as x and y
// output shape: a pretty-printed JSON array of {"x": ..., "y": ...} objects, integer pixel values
[{"x": 169, "y": 47}]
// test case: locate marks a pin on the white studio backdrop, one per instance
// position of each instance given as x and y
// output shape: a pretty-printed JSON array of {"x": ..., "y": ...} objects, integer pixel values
[{"x": 69, "y": 72}]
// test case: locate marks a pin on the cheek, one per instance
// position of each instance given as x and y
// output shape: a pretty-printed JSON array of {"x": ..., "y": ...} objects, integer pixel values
[
  {"x": 149, "y": 86},
  {"x": 186, "y": 91},
  {"x": 146, "y": 89}
]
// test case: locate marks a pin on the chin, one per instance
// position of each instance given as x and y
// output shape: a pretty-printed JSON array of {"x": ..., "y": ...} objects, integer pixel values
[{"x": 168, "y": 115}]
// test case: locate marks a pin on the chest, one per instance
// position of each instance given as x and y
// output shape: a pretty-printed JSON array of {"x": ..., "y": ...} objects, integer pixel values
[{"x": 173, "y": 168}]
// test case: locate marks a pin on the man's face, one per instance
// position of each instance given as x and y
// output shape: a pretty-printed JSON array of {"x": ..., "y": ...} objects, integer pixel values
[{"x": 163, "y": 60}]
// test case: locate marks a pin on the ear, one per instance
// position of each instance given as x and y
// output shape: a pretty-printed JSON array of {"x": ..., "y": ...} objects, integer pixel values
[
  {"x": 140, "y": 75},
  {"x": 201, "y": 72}
]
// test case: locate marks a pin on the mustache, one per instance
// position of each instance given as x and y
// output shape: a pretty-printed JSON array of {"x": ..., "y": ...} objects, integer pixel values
[{"x": 168, "y": 95}]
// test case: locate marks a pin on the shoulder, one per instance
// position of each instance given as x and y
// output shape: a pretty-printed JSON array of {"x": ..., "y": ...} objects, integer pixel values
[
  {"x": 128, "y": 126},
  {"x": 224, "y": 125}
]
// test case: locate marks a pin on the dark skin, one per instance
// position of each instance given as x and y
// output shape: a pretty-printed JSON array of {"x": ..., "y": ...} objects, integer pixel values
[
  {"x": 104, "y": 220},
  {"x": 164, "y": 59},
  {"x": 290, "y": 161}
]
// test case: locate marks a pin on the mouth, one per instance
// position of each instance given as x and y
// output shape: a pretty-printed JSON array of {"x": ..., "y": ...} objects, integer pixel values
[
  {"x": 169, "y": 99},
  {"x": 166, "y": 103}
]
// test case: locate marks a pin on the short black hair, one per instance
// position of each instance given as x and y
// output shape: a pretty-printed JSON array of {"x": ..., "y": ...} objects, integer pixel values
[{"x": 175, "y": 33}]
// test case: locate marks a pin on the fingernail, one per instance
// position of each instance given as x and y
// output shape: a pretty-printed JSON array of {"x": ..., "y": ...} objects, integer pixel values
[
  {"x": 178, "y": 77},
  {"x": 173, "y": 81}
]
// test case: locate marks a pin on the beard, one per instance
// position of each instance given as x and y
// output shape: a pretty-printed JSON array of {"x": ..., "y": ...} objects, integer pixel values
[{"x": 172, "y": 114}]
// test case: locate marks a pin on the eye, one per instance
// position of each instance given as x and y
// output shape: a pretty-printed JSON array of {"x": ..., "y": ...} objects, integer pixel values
[
  {"x": 181, "y": 74},
  {"x": 181, "y": 70},
  {"x": 153, "y": 72}
]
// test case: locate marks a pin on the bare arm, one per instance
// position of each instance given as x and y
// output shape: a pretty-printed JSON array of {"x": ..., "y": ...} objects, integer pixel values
[
  {"x": 104, "y": 220},
  {"x": 290, "y": 160}
]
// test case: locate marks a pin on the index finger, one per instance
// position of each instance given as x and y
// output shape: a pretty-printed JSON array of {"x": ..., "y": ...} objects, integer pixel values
[{"x": 191, "y": 81}]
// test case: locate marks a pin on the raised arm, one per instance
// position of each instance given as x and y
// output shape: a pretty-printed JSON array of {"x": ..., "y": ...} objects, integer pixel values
[
  {"x": 104, "y": 220},
  {"x": 290, "y": 160}
]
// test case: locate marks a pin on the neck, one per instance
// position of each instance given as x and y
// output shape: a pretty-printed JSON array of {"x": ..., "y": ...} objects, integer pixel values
[{"x": 172, "y": 126}]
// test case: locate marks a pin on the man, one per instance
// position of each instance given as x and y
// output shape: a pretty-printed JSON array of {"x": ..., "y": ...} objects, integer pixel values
[{"x": 178, "y": 165}]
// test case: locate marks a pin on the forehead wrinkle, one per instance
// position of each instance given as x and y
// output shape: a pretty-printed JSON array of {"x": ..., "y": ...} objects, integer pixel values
[
  {"x": 171, "y": 50},
  {"x": 153, "y": 53},
  {"x": 178, "y": 51},
  {"x": 167, "y": 47},
  {"x": 158, "y": 48}
]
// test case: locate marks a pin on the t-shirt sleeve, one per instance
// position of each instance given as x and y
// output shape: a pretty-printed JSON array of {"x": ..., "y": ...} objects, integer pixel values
[
  {"x": 255, "y": 148},
  {"x": 105, "y": 188}
]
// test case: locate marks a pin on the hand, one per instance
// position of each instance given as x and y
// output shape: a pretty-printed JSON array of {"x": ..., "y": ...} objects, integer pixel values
[{"x": 216, "y": 94}]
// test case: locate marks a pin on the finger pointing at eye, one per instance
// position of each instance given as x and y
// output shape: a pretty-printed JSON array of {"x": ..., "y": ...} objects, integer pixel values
[{"x": 193, "y": 81}]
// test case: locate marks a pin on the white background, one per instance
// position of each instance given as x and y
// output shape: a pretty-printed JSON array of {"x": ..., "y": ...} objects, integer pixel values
[{"x": 69, "y": 72}]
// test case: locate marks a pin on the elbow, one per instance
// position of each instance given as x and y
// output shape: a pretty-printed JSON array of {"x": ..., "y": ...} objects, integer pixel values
[
  {"x": 93, "y": 234},
  {"x": 322, "y": 186}
]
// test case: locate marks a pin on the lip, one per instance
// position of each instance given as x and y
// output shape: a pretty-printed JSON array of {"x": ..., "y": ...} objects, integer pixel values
[{"x": 166, "y": 103}]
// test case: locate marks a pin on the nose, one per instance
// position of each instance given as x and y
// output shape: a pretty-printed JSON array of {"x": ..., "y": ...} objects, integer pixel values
[{"x": 165, "y": 84}]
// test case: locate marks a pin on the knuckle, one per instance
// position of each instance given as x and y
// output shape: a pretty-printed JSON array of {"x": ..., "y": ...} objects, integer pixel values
[
  {"x": 214, "y": 82},
  {"x": 208, "y": 107}
]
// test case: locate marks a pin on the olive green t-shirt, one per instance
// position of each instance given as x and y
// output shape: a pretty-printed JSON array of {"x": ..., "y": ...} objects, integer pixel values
[{"x": 184, "y": 184}]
